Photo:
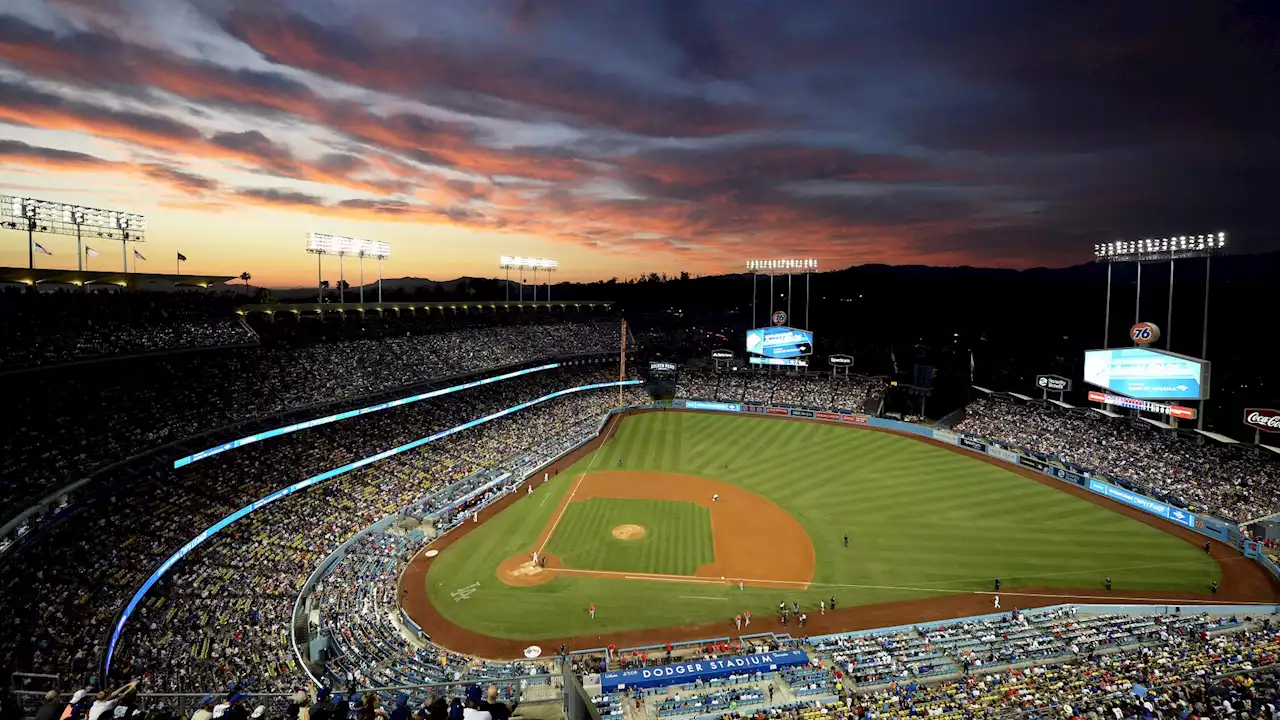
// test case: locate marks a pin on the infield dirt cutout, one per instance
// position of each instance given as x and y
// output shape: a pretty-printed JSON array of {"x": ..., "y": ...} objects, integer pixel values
[
  {"x": 629, "y": 532},
  {"x": 785, "y": 559}
]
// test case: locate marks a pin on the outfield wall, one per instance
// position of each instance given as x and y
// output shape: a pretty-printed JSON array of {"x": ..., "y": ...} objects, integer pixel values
[{"x": 1206, "y": 525}]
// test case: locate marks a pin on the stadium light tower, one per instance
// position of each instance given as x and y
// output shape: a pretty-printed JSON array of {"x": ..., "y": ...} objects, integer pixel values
[
  {"x": 789, "y": 265},
  {"x": 520, "y": 264},
  {"x": 321, "y": 244},
  {"x": 55, "y": 218},
  {"x": 1171, "y": 249}
]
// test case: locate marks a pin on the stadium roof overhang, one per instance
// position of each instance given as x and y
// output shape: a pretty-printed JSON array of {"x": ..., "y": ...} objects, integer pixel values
[
  {"x": 1272, "y": 448},
  {"x": 1108, "y": 413},
  {"x": 461, "y": 305},
  {"x": 1157, "y": 423},
  {"x": 1219, "y": 438},
  {"x": 1061, "y": 404},
  {"x": 50, "y": 276}
]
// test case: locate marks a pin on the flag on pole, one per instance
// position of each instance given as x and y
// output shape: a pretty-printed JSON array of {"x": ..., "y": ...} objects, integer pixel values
[
  {"x": 182, "y": 258},
  {"x": 970, "y": 367},
  {"x": 40, "y": 248},
  {"x": 139, "y": 256},
  {"x": 91, "y": 252}
]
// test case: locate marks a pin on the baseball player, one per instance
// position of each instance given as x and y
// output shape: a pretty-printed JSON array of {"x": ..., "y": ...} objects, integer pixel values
[
  {"x": 997, "y": 584},
  {"x": 846, "y": 541},
  {"x": 592, "y": 608},
  {"x": 833, "y": 603},
  {"x": 740, "y": 586},
  {"x": 535, "y": 557},
  {"x": 737, "y": 620},
  {"x": 529, "y": 487},
  {"x": 795, "y": 606},
  {"x": 475, "y": 517},
  {"x": 997, "y": 602},
  {"x": 822, "y": 607},
  {"x": 746, "y": 617},
  {"x": 715, "y": 498}
]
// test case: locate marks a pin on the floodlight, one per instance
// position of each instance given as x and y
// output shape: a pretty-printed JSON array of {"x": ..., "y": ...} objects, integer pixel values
[
  {"x": 508, "y": 262},
  {"x": 55, "y": 218},
  {"x": 1159, "y": 249},
  {"x": 788, "y": 264},
  {"x": 326, "y": 244}
]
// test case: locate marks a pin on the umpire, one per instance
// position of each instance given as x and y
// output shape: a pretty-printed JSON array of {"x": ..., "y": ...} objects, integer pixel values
[{"x": 997, "y": 584}]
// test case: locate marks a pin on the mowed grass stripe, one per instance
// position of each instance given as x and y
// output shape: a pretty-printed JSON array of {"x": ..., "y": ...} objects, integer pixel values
[
  {"x": 677, "y": 536},
  {"x": 917, "y": 516}
]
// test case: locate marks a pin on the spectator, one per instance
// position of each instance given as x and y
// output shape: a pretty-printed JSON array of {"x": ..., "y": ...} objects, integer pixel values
[{"x": 51, "y": 708}]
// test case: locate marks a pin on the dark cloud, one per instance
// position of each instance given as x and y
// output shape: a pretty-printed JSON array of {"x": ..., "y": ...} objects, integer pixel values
[
  {"x": 458, "y": 74},
  {"x": 275, "y": 196},
  {"x": 182, "y": 180},
  {"x": 24, "y": 105},
  {"x": 17, "y": 151}
]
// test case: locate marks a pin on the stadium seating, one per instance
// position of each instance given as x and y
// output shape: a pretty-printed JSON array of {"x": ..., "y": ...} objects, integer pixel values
[
  {"x": 78, "y": 420},
  {"x": 1225, "y": 480},
  {"x": 821, "y": 392},
  {"x": 193, "y": 610}
]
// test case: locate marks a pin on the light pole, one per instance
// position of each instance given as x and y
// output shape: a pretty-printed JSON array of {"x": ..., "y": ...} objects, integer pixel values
[
  {"x": 805, "y": 265},
  {"x": 520, "y": 264},
  {"x": 55, "y": 218},
  {"x": 321, "y": 244}
]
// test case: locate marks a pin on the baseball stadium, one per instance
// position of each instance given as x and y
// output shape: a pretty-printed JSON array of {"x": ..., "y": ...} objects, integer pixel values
[{"x": 534, "y": 501}]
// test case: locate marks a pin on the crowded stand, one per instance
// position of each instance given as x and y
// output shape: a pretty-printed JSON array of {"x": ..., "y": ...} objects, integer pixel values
[
  {"x": 78, "y": 420},
  {"x": 112, "y": 551},
  {"x": 47, "y": 328},
  {"x": 852, "y": 393},
  {"x": 1204, "y": 475}
]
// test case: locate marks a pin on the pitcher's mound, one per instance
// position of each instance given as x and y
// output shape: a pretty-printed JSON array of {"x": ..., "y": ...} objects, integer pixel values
[
  {"x": 519, "y": 571},
  {"x": 629, "y": 532}
]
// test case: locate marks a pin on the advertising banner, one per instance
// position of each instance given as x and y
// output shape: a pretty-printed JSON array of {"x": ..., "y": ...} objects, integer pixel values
[
  {"x": 758, "y": 409},
  {"x": 1264, "y": 419},
  {"x": 779, "y": 342},
  {"x": 972, "y": 444},
  {"x": 789, "y": 362},
  {"x": 662, "y": 367},
  {"x": 797, "y": 412},
  {"x": 1142, "y": 502},
  {"x": 840, "y": 360},
  {"x": 687, "y": 672},
  {"x": 1005, "y": 455},
  {"x": 946, "y": 436},
  {"x": 722, "y": 354},
  {"x": 855, "y": 419},
  {"x": 1177, "y": 411},
  {"x": 722, "y": 407},
  {"x": 1071, "y": 477},
  {"x": 1053, "y": 383},
  {"x": 1147, "y": 374},
  {"x": 1035, "y": 464},
  {"x": 1212, "y": 527},
  {"x": 827, "y": 415},
  {"x": 777, "y": 411}
]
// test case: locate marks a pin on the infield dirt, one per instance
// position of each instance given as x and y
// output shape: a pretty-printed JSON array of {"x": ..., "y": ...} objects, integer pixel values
[{"x": 1243, "y": 581}]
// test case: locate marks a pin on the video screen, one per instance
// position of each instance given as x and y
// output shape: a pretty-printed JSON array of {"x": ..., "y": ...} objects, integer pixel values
[
  {"x": 1147, "y": 374},
  {"x": 779, "y": 342}
]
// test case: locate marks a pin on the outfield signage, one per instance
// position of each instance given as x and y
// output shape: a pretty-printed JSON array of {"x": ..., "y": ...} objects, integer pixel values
[
  {"x": 946, "y": 436},
  {"x": 968, "y": 442},
  {"x": 664, "y": 675},
  {"x": 1069, "y": 476},
  {"x": 1178, "y": 411},
  {"x": 758, "y": 409},
  {"x": 1053, "y": 383},
  {"x": 777, "y": 411},
  {"x": 722, "y": 407},
  {"x": 1005, "y": 455},
  {"x": 823, "y": 415},
  {"x": 855, "y": 419},
  {"x": 1035, "y": 464},
  {"x": 796, "y": 412},
  {"x": 722, "y": 354},
  {"x": 1142, "y": 502}
]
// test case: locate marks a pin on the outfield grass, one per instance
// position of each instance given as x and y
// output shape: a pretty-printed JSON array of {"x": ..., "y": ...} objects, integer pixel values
[
  {"x": 921, "y": 521},
  {"x": 677, "y": 537}
]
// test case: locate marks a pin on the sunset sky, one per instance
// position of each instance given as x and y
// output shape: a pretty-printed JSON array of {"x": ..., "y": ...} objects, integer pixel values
[{"x": 627, "y": 136}]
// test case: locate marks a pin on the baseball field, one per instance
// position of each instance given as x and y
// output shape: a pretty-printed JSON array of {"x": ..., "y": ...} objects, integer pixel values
[{"x": 683, "y": 520}]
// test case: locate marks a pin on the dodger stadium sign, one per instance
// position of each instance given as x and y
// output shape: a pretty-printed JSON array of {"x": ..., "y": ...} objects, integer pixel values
[{"x": 664, "y": 675}]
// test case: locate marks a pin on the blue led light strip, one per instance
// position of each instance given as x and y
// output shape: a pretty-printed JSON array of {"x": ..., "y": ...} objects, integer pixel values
[
  {"x": 256, "y": 437},
  {"x": 304, "y": 484}
]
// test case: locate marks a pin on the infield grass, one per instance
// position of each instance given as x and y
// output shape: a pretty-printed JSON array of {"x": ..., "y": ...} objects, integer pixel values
[
  {"x": 677, "y": 536},
  {"x": 922, "y": 521}
]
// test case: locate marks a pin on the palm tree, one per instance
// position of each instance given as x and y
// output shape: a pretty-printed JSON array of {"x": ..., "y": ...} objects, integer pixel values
[
  {"x": 324, "y": 285},
  {"x": 246, "y": 277}
]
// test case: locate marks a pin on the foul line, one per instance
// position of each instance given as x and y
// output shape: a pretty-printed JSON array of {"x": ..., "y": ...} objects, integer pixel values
[
  {"x": 576, "y": 485},
  {"x": 702, "y": 597}
]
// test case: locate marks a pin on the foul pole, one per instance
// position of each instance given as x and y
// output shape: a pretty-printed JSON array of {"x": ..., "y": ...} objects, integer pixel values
[{"x": 622, "y": 361}]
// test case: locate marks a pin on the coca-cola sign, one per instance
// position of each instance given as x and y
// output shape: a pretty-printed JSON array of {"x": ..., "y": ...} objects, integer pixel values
[{"x": 1264, "y": 419}]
